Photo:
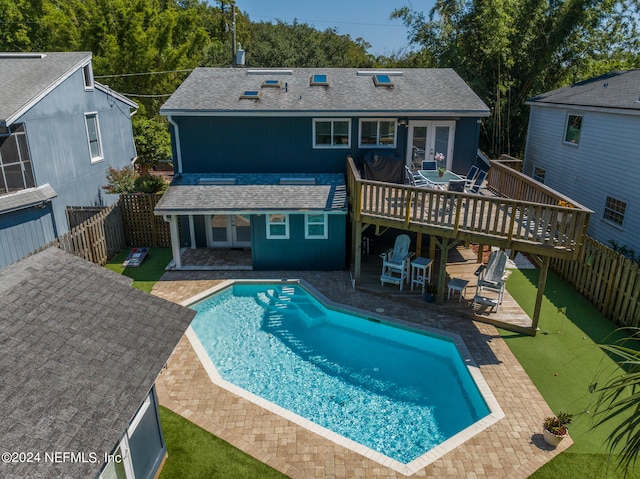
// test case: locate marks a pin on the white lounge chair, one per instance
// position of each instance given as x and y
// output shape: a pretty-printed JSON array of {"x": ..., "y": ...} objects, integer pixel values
[
  {"x": 395, "y": 262},
  {"x": 491, "y": 280}
]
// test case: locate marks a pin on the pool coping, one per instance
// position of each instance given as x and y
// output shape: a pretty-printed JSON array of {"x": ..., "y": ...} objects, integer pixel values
[{"x": 495, "y": 415}]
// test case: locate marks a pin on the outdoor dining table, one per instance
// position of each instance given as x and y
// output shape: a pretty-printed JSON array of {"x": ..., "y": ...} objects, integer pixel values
[{"x": 433, "y": 177}]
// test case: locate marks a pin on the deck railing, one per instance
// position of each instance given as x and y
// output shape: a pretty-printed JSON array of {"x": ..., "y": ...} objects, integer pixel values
[{"x": 519, "y": 223}]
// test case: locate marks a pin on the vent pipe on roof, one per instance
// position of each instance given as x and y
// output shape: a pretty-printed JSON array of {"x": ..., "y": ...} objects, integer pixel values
[{"x": 240, "y": 56}]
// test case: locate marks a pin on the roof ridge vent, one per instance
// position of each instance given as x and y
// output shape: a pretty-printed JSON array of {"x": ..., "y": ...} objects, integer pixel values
[
  {"x": 393, "y": 73},
  {"x": 298, "y": 180},
  {"x": 218, "y": 180},
  {"x": 22, "y": 55},
  {"x": 270, "y": 72}
]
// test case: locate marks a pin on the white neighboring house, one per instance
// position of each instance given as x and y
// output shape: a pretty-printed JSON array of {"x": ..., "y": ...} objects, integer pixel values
[{"x": 584, "y": 141}]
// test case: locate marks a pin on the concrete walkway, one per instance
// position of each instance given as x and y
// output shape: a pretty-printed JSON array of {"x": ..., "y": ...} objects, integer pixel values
[{"x": 511, "y": 448}]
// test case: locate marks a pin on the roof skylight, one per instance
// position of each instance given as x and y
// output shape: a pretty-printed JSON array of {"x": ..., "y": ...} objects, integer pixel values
[
  {"x": 271, "y": 84},
  {"x": 319, "y": 79},
  {"x": 383, "y": 80},
  {"x": 251, "y": 95}
]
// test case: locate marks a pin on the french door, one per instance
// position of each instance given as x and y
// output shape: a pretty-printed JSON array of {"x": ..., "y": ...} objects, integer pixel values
[
  {"x": 229, "y": 231},
  {"x": 426, "y": 138}
]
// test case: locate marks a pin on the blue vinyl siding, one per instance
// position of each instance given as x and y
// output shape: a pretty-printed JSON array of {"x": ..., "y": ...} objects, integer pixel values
[
  {"x": 147, "y": 443},
  {"x": 24, "y": 231},
  {"x": 603, "y": 164},
  {"x": 465, "y": 145},
  {"x": 297, "y": 252}
]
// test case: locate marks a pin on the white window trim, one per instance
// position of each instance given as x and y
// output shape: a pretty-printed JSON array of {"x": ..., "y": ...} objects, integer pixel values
[
  {"x": 85, "y": 69},
  {"x": 378, "y": 145},
  {"x": 566, "y": 129},
  {"x": 325, "y": 223},
  {"x": 331, "y": 146},
  {"x": 286, "y": 228},
  {"x": 610, "y": 222},
  {"x": 100, "y": 156}
]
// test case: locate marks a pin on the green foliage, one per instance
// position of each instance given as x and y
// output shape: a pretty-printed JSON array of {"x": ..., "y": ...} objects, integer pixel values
[
  {"x": 120, "y": 181},
  {"x": 509, "y": 51},
  {"x": 153, "y": 142},
  {"x": 558, "y": 424},
  {"x": 149, "y": 184}
]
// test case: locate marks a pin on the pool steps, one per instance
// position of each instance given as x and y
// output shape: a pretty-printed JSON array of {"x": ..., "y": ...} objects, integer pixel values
[{"x": 281, "y": 300}]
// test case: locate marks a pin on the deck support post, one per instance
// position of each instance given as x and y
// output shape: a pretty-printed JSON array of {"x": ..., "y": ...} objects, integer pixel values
[
  {"x": 480, "y": 252},
  {"x": 442, "y": 273},
  {"x": 418, "y": 245},
  {"x": 542, "y": 281},
  {"x": 357, "y": 247}
]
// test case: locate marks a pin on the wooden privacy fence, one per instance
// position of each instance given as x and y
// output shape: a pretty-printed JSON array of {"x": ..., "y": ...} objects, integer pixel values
[
  {"x": 96, "y": 239},
  {"x": 141, "y": 226},
  {"x": 609, "y": 280}
]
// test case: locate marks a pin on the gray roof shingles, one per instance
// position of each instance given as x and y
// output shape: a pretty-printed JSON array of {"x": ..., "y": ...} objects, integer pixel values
[
  {"x": 617, "y": 89},
  {"x": 419, "y": 91},
  {"x": 80, "y": 349},
  {"x": 26, "y": 198},
  {"x": 254, "y": 192},
  {"x": 24, "y": 77}
]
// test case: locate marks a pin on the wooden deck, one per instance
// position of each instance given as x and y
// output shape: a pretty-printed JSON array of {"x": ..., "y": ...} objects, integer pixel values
[{"x": 461, "y": 263}]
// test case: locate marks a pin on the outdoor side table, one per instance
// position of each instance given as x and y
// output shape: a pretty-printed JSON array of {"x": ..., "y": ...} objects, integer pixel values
[
  {"x": 457, "y": 284},
  {"x": 420, "y": 272}
]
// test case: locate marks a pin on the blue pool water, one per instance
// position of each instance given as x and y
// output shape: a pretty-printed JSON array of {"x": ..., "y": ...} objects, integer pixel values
[{"x": 393, "y": 390}]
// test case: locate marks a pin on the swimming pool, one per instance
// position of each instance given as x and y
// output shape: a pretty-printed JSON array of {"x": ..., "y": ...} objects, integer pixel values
[{"x": 395, "y": 391}]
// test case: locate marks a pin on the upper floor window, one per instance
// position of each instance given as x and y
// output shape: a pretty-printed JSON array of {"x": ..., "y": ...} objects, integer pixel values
[
  {"x": 614, "y": 211},
  {"x": 331, "y": 133},
  {"x": 278, "y": 226},
  {"x": 315, "y": 226},
  {"x": 93, "y": 136},
  {"x": 87, "y": 75},
  {"x": 377, "y": 133},
  {"x": 538, "y": 174},
  {"x": 15, "y": 163},
  {"x": 572, "y": 131}
]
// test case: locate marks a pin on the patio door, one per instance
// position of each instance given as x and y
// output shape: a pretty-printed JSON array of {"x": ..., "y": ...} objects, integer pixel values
[
  {"x": 231, "y": 231},
  {"x": 426, "y": 138}
]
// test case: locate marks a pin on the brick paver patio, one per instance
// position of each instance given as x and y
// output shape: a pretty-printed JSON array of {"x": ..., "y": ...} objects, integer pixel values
[{"x": 511, "y": 448}]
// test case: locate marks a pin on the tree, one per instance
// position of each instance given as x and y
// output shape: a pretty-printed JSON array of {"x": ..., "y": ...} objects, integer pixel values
[
  {"x": 153, "y": 142},
  {"x": 511, "y": 50},
  {"x": 619, "y": 399}
]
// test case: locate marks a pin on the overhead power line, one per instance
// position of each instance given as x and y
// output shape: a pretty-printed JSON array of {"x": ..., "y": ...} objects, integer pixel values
[{"x": 142, "y": 73}]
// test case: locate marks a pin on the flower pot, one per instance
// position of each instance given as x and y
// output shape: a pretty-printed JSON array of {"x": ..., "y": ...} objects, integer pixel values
[
  {"x": 440, "y": 173},
  {"x": 552, "y": 439},
  {"x": 429, "y": 298}
]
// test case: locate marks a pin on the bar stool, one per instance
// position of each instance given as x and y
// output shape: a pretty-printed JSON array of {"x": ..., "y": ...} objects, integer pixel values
[{"x": 420, "y": 272}]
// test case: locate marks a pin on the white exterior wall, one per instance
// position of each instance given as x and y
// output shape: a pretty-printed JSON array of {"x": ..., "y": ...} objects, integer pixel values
[{"x": 606, "y": 162}]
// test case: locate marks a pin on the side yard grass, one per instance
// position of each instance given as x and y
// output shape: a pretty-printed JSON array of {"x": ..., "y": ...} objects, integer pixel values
[
  {"x": 563, "y": 360},
  {"x": 145, "y": 275}
]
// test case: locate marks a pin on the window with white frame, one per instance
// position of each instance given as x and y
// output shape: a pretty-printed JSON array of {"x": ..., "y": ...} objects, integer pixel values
[
  {"x": 15, "y": 163},
  {"x": 538, "y": 174},
  {"x": 572, "y": 130},
  {"x": 377, "y": 133},
  {"x": 93, "y": 136},
  {"x": 316, "y": 226},
  {"x": 331, "y": 133},
  {"x": 87, "y": 75},
  {"x": 278, "y": 226},
  {"x": 614, "y": 211}
]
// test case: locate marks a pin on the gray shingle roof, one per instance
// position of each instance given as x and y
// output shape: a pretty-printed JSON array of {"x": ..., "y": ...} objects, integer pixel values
[
  {"x": 24, "y": 78},
  {"x": 617, "y": 89},
  {"x": 253, "y": 192},
  {"x": 26, "y": 198},
  {"x": 417, "y": 91},
  {"x": 79, "y": 350}
]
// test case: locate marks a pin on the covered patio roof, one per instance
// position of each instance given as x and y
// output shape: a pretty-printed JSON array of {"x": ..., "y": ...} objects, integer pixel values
[{"x": 245, "y": 193}]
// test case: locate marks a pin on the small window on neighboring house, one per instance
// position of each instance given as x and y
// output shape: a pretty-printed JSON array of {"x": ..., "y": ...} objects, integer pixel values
[
  {"x": 93, "y": 135},
  {"x": 315, "y": 226},
  {"x": 377, "y": 133},
  {"x": 15, "y": 163},
  {"x": 614, "y": 211},
  {"x": 538, "y": 174},
  {"x": 331, "y": 133},
  {"x": 87, "y": 74},
  {"x": 572, "y": 133},
  {"x": 278, "y": 226}
]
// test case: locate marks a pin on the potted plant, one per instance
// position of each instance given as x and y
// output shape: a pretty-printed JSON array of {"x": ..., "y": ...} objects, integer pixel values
[
  {"x": 441, "y": 165},
  {"x": 430, "y": 291},
  {"x": 554, "y": 428}
]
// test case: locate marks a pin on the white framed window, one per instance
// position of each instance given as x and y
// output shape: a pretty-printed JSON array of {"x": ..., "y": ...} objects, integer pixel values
[
  {"x": 93, "y": 136},
  {"x": 278, "y": 226},
  {"x": 572, "y": 129},
  {"x": 316, "y": 226},
  {"x": 87, "y": 75},
  {"x": 538, "y": 174},
  {"x": 614, "y": 211},
  {"x": 331, "y": 133},
  {"x": 377, "y": 132}
]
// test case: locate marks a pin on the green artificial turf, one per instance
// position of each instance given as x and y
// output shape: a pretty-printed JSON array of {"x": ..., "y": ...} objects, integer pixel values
[
  {"x": 145, "y": 275},
  {"x": 196, "y": 454},
  {"x": 564, "y": 360}
]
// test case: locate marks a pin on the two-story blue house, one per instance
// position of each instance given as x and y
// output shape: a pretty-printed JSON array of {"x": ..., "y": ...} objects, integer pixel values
[
  {"x": 59, "y": 133},
  {"x": 584, "y": 141},
  {"x": 260, "y": 155}
]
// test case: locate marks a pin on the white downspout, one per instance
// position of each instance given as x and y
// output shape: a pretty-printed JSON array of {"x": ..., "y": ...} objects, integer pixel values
[{"x": 176, "y": 132}]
